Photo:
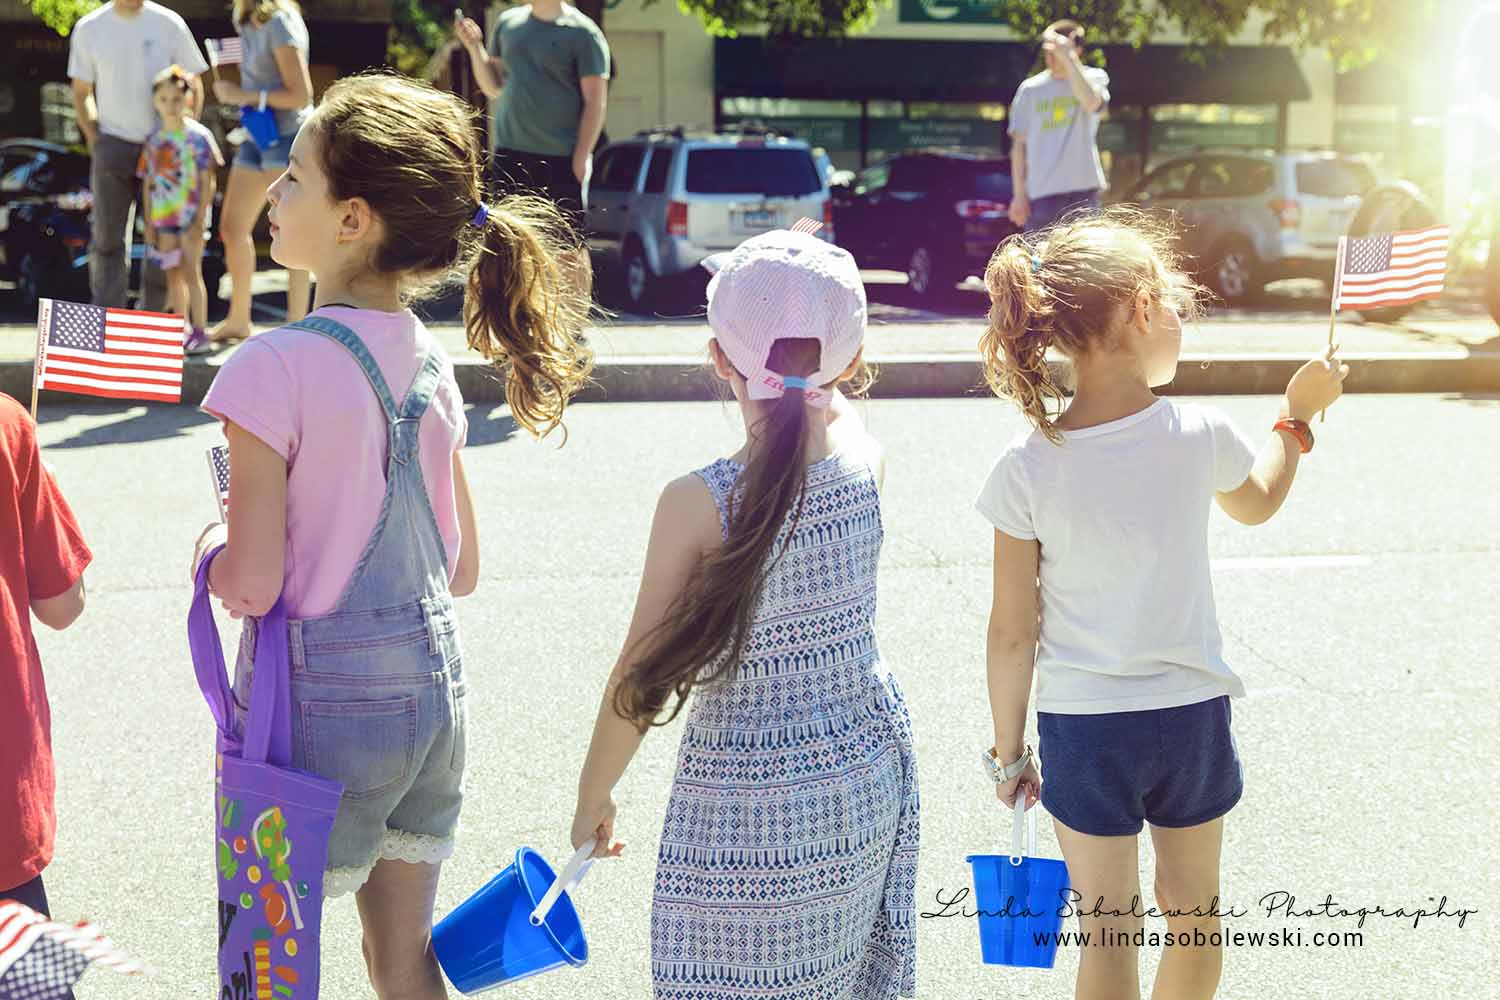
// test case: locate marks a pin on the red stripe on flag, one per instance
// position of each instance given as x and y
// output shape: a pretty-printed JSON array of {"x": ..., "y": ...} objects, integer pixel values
[
  {"x": 89, "y": 390},
  {"x": 58, "y": 374},
  {"x": 164, "y": 365}
]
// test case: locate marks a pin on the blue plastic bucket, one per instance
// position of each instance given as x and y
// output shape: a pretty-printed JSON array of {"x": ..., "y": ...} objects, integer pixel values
[
  {"x": 1019, "y": 898},
  {"x": 489, "y": 939}
]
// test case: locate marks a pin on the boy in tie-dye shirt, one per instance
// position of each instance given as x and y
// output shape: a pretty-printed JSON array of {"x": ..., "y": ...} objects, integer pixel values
[{"x": 177, "y": 165}]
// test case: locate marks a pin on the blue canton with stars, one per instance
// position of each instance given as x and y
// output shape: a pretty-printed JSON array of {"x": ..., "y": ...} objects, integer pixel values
[
  {"x": 77, "y": 326},
  {"x": 1368, "y": 254}
]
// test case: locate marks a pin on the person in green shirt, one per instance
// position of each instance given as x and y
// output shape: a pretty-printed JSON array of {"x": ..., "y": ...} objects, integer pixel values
[{"x": 548, "y": 65}]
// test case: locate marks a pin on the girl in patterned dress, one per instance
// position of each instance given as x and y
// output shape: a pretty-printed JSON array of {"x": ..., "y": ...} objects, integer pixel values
[{"x": 787, "y": 864}]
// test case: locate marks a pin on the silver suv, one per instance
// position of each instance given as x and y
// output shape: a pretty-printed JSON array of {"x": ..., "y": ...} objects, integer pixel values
[
  {"x": 1246, "y": 218},
  {"x": 661, "y": 201}
]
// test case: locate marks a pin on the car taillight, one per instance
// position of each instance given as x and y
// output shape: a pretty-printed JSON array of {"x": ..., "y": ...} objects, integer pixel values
[
  {"x": 75, "y": 242},
  {"x": 827, "y": 230},
  {"x": 677, "y": 218},
  {"x": 980, "y": 208},
  {"x": 1288, "y": 210},
  {"x": 76, "y": 201}
]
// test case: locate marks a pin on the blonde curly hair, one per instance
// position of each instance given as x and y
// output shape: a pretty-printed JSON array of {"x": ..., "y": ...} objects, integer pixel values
[{"x": 1068, "y": 287}]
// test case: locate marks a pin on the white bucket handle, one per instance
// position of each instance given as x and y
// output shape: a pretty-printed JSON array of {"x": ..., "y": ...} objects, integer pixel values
[
  {"x": 567, "y": 880},
  {"x": 1027, "y": 818}
]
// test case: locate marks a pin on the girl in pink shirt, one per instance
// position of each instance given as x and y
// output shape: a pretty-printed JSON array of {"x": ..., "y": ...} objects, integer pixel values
[{"x": 347, "y": 489}]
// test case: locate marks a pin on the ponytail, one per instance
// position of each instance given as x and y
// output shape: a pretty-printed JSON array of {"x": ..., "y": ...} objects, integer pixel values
[
  {"x": 1020, "y": 329},
  {"x": 525, "y": 309},
  {"x": 702, "y": 637}
]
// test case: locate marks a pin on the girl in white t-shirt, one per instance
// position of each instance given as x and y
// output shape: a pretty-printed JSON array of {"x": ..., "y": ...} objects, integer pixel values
[{"x": 1101, "y": 523}]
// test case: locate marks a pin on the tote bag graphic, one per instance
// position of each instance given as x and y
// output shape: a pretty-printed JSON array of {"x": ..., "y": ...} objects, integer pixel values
[{"x": 271, "y": 822}]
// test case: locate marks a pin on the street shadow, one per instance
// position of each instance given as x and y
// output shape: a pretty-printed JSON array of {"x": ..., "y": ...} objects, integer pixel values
[
  {"x": 489, "y": 423},
  {"x": 154, "y": 422},
  {"x": 1482, "y": 400}
]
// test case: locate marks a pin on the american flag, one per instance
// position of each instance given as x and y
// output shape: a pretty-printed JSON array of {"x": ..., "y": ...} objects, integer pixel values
[
  {"x": 806, "y": 225},
  {"x": 120, "y": 353},
  {"x": 224, "y": 51},
  {"x": 41, "y": 960},
  {"x": 1390, "y": 269},
  {"x": 218, "y": 469}
]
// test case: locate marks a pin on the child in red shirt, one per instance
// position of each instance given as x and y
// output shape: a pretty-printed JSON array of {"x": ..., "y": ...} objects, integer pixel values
[{"x": 42, "y": 558}]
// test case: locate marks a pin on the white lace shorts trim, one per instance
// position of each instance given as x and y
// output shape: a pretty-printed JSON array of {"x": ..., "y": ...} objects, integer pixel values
[{"x": 396, "y": 845}]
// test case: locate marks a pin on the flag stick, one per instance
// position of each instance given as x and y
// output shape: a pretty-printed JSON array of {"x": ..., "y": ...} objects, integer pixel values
[
  {"x": 38, "y": 358},
  {"x": 1333, "y": 303}
]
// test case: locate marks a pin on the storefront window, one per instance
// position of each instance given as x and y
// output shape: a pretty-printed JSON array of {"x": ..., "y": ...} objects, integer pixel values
[{"x": 59, "y": 121}]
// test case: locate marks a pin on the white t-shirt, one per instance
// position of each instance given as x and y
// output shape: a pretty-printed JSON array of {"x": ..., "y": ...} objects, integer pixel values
[
  {"x": 1121, "y": 512},
  {"x": 120, "y": 56}
]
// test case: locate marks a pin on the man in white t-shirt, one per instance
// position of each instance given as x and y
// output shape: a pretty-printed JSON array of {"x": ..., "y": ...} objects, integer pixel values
[
  {"x": 1054, "y": 129},
  {"x": 114, "y": 54}
]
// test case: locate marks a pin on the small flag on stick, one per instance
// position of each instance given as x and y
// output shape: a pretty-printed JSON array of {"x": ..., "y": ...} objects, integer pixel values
[
  {"x": 218, "y": 468},
  {"x": 119, "y": 353},
  {"x": 224, "y": 51},
  {"x": 41, "y": 960},
  {"x": 806, "y": 225},
  {"x": 1390, "y": 269}
]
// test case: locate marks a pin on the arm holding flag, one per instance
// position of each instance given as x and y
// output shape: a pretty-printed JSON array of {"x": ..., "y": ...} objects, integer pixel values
[{"x": 247, "y": 575}]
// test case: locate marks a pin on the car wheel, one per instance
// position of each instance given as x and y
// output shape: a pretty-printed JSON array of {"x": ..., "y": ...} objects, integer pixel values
[
  {"x": 37, "y": 278},
  {"x": 1233, "y": 272},
  {"x": 638, "y": 281}
]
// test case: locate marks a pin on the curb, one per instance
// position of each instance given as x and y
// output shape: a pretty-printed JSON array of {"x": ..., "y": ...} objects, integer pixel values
[{"x": 680, "y": 378}]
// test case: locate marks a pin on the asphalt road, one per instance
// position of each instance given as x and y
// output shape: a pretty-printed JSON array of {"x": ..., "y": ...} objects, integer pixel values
[{"x": 1362, "y": 620}]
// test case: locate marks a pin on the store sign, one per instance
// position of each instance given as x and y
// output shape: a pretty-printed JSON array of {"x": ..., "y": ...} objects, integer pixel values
[
  {"x": 953, "y": 11},
  {"x": 1364, "y": 137},
  {"x": 915, "y": 133},
  {"x": 1182, "y": 137},
  {"x": 830, "y": 133}
]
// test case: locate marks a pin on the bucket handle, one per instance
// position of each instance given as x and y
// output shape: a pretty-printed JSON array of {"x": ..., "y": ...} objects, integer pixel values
[
  {"x": 1027, "y": 818},
  {"x": 567, "y": 880}
]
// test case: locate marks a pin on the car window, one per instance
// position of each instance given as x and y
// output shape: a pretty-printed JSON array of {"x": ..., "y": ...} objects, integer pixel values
[
  {"x": 753, "y": 170},
  {"x": 656, "y": 170},
  {"x": 1232, "y": 177},
  {"x": 989, "y": 181},
  {"x": 1333, "y": 178},
  {"x": 620, "y": 170},
  {"x": 1169, "y": 181},
  {"x": 872, "y": 179},
  {"x": 913, "y": 175},
  {"x": 16, "y": 168}
]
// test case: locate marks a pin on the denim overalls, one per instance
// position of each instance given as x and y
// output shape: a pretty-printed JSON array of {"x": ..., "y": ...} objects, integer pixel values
[{"x": 377, "y": 683}]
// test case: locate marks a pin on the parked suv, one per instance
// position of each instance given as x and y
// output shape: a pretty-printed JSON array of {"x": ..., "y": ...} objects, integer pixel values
[
  {"x": 938, "y": 216},
  {"x": 662, "y": 201},
  {"x": 1247, "y": 218}
]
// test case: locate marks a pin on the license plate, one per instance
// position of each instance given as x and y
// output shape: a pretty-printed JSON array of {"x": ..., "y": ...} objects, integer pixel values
[{"x": 758, "y": 219}]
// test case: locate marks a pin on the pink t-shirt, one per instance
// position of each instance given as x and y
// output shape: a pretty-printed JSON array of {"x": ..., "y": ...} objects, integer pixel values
[{"x": 305, "y": 396}]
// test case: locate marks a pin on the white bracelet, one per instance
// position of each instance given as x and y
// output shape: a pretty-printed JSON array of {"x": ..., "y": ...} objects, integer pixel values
[{"x": 262, "y": 105}]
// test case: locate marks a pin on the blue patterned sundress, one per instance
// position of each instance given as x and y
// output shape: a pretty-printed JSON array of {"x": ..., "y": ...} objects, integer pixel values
[{"x": 788, "y": 859}]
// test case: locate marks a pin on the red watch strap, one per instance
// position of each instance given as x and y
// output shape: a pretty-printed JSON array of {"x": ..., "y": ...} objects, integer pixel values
[{"x": 1297, "y": 429}]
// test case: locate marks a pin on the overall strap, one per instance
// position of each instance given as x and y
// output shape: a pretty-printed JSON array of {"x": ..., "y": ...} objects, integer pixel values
[{"x": 402, "y": 422}]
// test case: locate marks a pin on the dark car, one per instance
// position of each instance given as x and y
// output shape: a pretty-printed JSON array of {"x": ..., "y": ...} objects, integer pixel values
[
  {"x": 938, "y": 216},
  {"x": 45, "y": 203}
]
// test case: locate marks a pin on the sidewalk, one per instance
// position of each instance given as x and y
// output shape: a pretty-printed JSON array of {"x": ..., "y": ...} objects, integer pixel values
[{"x": 1439, "y": 347}]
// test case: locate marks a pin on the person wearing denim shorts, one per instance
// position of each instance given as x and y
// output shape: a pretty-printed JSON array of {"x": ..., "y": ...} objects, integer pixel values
[{"x": 377, "y": 683}]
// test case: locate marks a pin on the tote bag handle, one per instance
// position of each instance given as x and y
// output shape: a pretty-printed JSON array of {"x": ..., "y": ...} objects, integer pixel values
[{"x": 268, "y": 724}]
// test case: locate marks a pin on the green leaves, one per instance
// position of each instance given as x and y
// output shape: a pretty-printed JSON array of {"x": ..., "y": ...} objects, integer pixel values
[{"x": 61, "y": 15}]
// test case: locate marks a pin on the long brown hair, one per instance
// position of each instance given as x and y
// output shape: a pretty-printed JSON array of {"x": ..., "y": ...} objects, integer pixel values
[
  {"x": 1068, "y": 286},
  {"x": 411, "y": 151},
  {"x": 703, "y": 634},
  {"x": 261, "y": 11}
]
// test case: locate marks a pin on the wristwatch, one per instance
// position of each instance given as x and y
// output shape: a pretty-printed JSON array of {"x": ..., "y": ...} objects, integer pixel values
[
  {"x": 1297, "y": 429},
  {"x": 1001, "y": 773}
]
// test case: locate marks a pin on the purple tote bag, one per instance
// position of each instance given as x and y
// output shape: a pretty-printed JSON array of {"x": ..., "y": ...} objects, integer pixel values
[{"x": 271, "y": 822}]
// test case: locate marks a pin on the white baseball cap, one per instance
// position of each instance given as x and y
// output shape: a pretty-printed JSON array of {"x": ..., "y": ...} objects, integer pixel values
[{"x": 783, "y": 284}]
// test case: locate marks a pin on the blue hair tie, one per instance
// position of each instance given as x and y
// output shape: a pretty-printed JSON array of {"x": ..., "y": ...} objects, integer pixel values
[
  {"x": 794, "y": 382},
  {"x": 481, "y": 215},
  {"x": 1036, "y": 264}
]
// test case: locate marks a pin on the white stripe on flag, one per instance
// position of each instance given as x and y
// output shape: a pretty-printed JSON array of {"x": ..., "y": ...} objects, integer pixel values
[
  {"x": 66, "y": 380},
  {"x": 152, "y": 360}
]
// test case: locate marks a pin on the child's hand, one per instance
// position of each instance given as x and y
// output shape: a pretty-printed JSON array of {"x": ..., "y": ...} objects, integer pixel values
[
  {"x": 213, "y": 536},
  {"x": 1316, "y": 385},
  {"x": 1028, "y": 782},
  {"x": 594, "y": 819}
]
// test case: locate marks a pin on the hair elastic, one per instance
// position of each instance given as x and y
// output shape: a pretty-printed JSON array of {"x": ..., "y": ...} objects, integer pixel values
[
  {"x": 794, "y": 382},
  {"x": 481, "y": 215},
  {"x": 1036, "y": 264}
]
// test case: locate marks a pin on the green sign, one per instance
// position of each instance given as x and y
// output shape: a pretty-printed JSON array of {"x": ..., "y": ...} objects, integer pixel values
[
  {"x": 1182, "y": 136},
  {"x": 830, "y": 133},
  {"x": 914, "y": 133},
  {"x": 1122, "y": 136},
  {"x": 1364, "y": 137},
  {"x": 953, "y": 11}
]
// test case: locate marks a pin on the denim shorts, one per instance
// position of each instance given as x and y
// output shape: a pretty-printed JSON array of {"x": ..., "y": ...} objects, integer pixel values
[
  {"x": 1105, "y": 774},
  {"x": 378, "y": 704},
  {"x": 274, "y": 157}
]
